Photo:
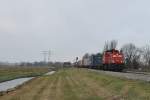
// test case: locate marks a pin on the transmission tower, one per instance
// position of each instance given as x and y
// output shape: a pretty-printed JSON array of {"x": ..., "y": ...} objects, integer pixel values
[
  {"x": 44, "y": 55},
  {"x": 49, "y": 55}
]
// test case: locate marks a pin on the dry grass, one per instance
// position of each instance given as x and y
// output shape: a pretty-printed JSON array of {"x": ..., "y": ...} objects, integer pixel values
[
  {"x": 9, "y": 73},
  {"x": 80, "y": 84}
]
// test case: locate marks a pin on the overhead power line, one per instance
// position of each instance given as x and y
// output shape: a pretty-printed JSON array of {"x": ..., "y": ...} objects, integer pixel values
[{"x": 46, "y": 55}]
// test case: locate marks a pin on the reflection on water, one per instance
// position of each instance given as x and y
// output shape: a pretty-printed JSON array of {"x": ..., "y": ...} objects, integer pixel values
[
  {"x": 4, "y": 86},
  {"x": 50, "y": 73}
]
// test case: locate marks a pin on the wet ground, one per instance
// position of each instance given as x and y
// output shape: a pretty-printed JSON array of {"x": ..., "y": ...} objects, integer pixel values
[{"x": 50, "y": 73}]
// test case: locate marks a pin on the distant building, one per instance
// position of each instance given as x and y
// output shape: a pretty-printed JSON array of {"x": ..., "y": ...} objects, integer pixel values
[{"x": 67, "y": 64}]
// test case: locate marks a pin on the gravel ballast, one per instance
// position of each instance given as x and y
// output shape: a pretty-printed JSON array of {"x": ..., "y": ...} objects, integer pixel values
[{"x": 133, "y": 76}]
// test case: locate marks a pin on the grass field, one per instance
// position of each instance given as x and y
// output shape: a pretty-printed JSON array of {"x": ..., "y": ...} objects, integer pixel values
[
  {"x": 9, "y": 73},
  {"x": 80, "y": 84}
]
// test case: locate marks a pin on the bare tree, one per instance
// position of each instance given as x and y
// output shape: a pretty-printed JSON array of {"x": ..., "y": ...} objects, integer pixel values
[
  {"x": 106, "y": 46},
  {"x": 146, "y": 55},
  {"x": 113, "y": 44},
  {"x": 110, "y": 45},
  {"x": 132, "y": 55}
]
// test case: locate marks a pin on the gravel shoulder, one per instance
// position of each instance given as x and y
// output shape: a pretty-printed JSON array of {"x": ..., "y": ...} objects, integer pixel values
[{"x": 133, "y": 76}]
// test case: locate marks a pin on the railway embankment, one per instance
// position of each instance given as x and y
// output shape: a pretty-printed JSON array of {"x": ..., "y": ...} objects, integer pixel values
[{"x": 129, "y": 75}]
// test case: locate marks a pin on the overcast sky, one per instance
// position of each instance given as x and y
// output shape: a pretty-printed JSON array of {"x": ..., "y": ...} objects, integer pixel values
[{"x": 69, "y": 28}]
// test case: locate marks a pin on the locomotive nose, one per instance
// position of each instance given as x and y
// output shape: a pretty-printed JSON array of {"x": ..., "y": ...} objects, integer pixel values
[{"x": 118, "y": 58}]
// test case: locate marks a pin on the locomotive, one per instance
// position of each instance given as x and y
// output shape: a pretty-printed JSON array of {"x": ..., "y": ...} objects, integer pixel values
[{"x": 111, "y": 60}]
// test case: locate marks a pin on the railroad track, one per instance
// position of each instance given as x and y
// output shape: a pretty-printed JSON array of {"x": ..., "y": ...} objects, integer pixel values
[
  {"x": 128, "y": 74},
  {"x": 134, "y": 72}
]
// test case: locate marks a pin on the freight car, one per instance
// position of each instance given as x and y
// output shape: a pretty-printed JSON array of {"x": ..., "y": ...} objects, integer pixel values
[
  {"x": 86, "y": 61},
  {"x": 93, "y": 61},
  {"x": 96, "y": 61}
]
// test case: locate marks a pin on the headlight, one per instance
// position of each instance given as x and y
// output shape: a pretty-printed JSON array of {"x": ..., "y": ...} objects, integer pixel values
[{"x": 113, "y": 61}]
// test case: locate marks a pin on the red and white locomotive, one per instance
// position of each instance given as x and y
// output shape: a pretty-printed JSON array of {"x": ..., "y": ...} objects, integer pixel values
[{"x": 113, "y": 60}]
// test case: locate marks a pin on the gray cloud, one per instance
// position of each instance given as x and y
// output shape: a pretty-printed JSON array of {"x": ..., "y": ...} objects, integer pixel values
[{"x": 69, "y": 27}]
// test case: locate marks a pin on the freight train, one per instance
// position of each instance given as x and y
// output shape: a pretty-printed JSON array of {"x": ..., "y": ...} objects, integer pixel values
[{"x": 112, "y": 60}]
